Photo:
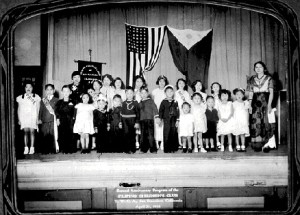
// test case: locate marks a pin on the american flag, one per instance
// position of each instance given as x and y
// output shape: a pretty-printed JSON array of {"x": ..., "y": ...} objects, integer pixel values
[{"x": 143, "y": 48}]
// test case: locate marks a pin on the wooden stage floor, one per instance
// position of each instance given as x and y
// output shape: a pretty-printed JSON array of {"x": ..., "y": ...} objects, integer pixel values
[{"x": 213, "y": 169}]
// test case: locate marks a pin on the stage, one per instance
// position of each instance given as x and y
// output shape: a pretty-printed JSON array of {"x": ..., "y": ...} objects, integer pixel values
[{"x": 213, "y": 169}]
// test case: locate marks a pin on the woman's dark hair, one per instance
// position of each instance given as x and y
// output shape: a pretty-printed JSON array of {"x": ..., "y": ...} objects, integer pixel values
[
  {"x": 66, "y": 86},
  {"x": 227, "y": 92},
  {"x": 193, "y": 86},
  {"x": 143, "y": 80},
  {"x": 211, "y": 87},
  {"x": 97, "y": 81},
  {"x": 122, "y": 83},
  {"x": 185, "y": 85},
  {"x": 28, "y": 82},
  {"x": 263, "y": 65},
  {"x": 109, "y": 77},
  {"x": 49, "y": 85},
  {"x": 162, "y": 77},
  {"x": 197, "y": 94},
  {"x": 75, "y": 73},
  {"x": 90, "y": 98}
]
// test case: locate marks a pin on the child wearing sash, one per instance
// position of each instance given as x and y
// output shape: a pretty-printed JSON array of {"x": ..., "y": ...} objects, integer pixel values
[
  {"x": 47, "y": 119},
  {"x": 28, "y": 109}
]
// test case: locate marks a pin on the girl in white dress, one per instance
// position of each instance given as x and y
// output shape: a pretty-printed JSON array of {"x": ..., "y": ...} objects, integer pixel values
[
  {"x": 197, "y": 87},
  {"x": 226, "y": 123},
  {"x": 241, "y": 119},
  {"x": 119, "y": 88},
  {"x": 158, "y": 95},
  {"x": 186, "y": 125},
  {"x": 200, "y": 123},
  {"x": 181, "y": 96},
  {"x": 84, "y": 125},
  {"x": 28, "y": 110}
]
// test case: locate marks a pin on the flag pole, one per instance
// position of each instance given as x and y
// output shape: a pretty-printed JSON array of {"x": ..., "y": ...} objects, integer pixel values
[{"x": 90, "y": 54}]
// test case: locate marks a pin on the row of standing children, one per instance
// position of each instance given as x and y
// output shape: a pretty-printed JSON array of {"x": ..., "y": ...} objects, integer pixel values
[{"x": 110, "y": 121}]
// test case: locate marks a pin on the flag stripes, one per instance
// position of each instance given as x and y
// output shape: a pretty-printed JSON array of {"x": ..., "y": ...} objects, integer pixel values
[{"x": 143, "y": 48}]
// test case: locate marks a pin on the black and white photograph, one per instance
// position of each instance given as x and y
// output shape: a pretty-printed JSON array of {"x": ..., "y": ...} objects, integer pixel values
[{"x": 149, "y": 107}]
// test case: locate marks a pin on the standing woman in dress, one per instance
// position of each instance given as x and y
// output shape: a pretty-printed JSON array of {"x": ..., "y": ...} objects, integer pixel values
[{"x": 261, "y": 92}]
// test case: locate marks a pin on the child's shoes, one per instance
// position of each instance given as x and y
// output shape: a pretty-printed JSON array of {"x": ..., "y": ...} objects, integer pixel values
[
  {"x": 26, "y": 150},
  {"x": 222, "y": 148},
  {"x": 184, "y": 150},
  {"x": 238, "y": 148},
  {"x": 190, "y": 150},
  {"x": 31, "y": 151},
  {"x": 162, "y": 146},
  {"x": 137, "y": 145},
  {"x": 219, "y": 145},
  {"x": 195, "y": 150},
  {"x": 202, "y": 150},
  {"x": 243, "y": 149},
  {"x": 230, "y": 149}
]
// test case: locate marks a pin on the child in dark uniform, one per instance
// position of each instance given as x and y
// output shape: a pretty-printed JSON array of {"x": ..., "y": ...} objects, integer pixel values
[
  {"x": 169, "y": 113},
  {"x": 64, "y": 117},
  {"x": 47, "y": 119},
  {"x": 116, "y": 131},
  {"x": 102, "y": 126},
  {"x": 212, "y": 120},
  {"x": 148, "y": 111},
  {"x": 130, "y": 117}
]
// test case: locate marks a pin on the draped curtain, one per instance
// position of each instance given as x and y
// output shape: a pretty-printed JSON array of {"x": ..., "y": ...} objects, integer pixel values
[{"x": 240, "y": 38}]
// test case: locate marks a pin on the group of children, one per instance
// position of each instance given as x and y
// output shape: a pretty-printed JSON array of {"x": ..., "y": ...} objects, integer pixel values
[{"x": 109, "y": 118}]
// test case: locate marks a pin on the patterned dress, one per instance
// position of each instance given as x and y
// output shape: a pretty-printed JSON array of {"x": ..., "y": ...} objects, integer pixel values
[{"x": 260, "y": 129}]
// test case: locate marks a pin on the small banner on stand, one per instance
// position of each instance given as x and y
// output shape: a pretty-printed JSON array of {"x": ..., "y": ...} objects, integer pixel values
[{"x": 90, "y": 71}]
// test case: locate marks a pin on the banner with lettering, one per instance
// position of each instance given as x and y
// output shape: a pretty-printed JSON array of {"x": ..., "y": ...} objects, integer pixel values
[{"x": 90, "y": 71}]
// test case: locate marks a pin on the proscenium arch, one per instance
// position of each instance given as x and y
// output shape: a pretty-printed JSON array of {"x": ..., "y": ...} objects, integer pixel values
[{"x": 279, "y": 10}]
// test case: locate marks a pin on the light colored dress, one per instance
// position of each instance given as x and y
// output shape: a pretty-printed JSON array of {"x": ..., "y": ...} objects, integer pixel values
[
  {"x": 158, "y": 95},
  {"x": 84, "y": 119},
  {"x": 200, "y": 122},
  {"x": 137, "y": 95},
  {"x": 241, "y": 117},
  {"x": 28, "y": 110},
  {"x": 217, "y": 101},
  {"x": 109, "y": 93},
  {"x": 225, "y": 128},
  {"x": 186, "y": 125}
]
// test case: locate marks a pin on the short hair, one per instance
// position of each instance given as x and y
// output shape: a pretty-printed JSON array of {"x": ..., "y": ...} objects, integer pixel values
[
  {"x": 224, "y": 91},
  {"x": 122, "y": 83},
  {"x": 162, "y": 77},
  {"x": 210, "y": 97},
  {"x": 186, "y": 103},
  {"x": 49, "y": 85},
  {"x": 139, "y": 77},
  {"x": 66, "y": 86},
  {"x": 129, "y": 88},
  {"x": 168, "y": 87},
  {"x": 238, "y": 90},
  {"x": 197, "y": 94},
  {"x": 211, "y": 87},
  {"x": 117, "y": 96},
  {"x": 109, "y": 77},
  {"x": 144, "y": 88},
  {"x": 193, "y": 86},
  {"x": 181, "y": 79},
  {"x": 263, "y": 65},
  {"x": 75, "y": 73}
]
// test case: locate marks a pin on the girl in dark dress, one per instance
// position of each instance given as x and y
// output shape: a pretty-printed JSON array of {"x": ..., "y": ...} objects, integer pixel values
[
  {"x": 169, "y": 113},
  {"x": 116, "y": 131},
  {"x": 64, "y": 116},
  {"x": 102, "y": 127},
  {"x": 212, "y": 120}
]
